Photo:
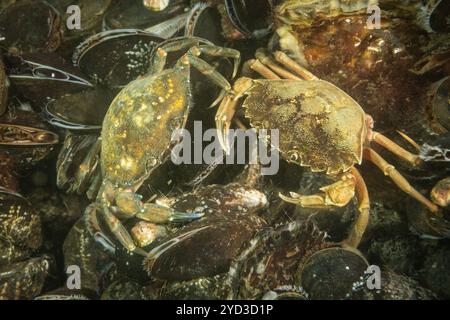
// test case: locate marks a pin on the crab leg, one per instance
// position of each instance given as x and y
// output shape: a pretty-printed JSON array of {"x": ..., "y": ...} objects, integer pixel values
[
  {"x": 118, "y": 229},
  {"x": 337, "y": 194},
  {"x": 354, "y": 238},
  {"x": 390, "y": 145},
  {"x": 398, "y": 179},
  {"x": 275, "y": 68},
  {"x": 290, "y": 64},
  {"x": 215, "y": 51},
  {"x": 227, "y": 109},
  {"x": 257, "y": 66}
]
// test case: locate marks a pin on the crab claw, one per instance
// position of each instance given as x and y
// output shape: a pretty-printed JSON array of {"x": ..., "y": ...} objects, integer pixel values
[
  {"x": 294, "y": 197},
  {"x": 160, "y": 214},
  {"x": 223, "y": 121}
]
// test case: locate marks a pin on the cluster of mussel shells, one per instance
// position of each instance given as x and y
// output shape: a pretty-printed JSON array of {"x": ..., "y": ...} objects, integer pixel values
[{"x": 56, "y": 84}]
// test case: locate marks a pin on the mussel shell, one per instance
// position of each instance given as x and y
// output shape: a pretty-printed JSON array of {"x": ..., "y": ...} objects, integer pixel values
[
  {"x": 271, "y": 259},
  {"x": 123, "y": 290},
  {"x": 39, "y": 78},
  {"x": 440, "y": 104},
  {"x": 92, "y": 14},
  {"x": 437, "y": 15},
  {"x": 83, "y": 110},
  {"x": 24, "y": 280},
  {"x": 435, "y": 153},
  {"x": 133, "y": 14},
  {"x": 19, "y": 224},
  {"x": 116, "y": 57},
  {"x": 251, "y": 17},
  {"x": 64, "y": 293},
  {"x": 10, "y": 253},
  {"x": 426, "y": 224},
  {"x": 332, "y": 273},
  {"x": 30, "y": 26},
  {"x": 80, "y": 249},
  {"x": 206, "y": 288},
  {"x": 204, "y": 22},
  {"x": 207, "y": 252}
]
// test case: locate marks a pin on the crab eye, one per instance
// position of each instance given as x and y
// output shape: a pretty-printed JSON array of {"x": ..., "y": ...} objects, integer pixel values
[
  {"x": 151, "y": 163},
  {"x": 176, "y": 123},
  {"x": 293, "y": 156}
]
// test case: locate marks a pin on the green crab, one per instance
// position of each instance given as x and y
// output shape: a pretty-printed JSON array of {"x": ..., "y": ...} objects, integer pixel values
[
  {"x": 321, "y": 127},
  {"x": 137, "y": 134}
]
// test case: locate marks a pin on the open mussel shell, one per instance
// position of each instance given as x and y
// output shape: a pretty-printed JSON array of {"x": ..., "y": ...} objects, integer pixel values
[
  {"x": 428, "y": 225},
  {"x": 27, "y": 145},
  {"x": 22, "y": 136},
  {"x": 434, "y": 16},
  {"x": 332, "y": 273},
  {"x": 83, "y": 110},
  {"x": 204, "y": 22},
  {"x": 435, "y": 155},
  {"x": 251, "y": 17},
  {"x": 134, "y": 14},
  {"x": 38, "y": 78},
  {"x": 30, "y": 26},
  {"x": 114, "y": 58}
]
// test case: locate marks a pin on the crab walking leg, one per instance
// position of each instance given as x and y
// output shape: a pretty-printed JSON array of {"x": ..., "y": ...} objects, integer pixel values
[
  {"x": 207, "y": 70},
  {"x": 117, "y": 229},
  {"x": 399, "y": 180},
  {"x": 410, "y": 140},
  {"x": 215, "y": 51},
  {"x": 290, "y": 64},
  {"x": 159, "y": 61},
  {"x": 227, "y": 109},
  {"x": 129, "y": 204},
  {"x": 257, "y": 66},
  {"x": 337, "y": 194},
  {"x": 354, "y": 238},
  {"x": 390, "y": 145},
  {"x": 275, "y": 68}
]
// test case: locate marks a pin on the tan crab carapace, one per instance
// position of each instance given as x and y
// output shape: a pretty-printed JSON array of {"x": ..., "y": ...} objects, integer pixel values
[
  {"x": 137, "y": 135},
  {"x": 320, "y": 127}
]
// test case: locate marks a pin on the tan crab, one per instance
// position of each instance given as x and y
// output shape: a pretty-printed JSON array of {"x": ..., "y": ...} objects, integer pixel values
[
  {"x": 137, "y": 135},
  {"x": 320, "y": 127}
]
